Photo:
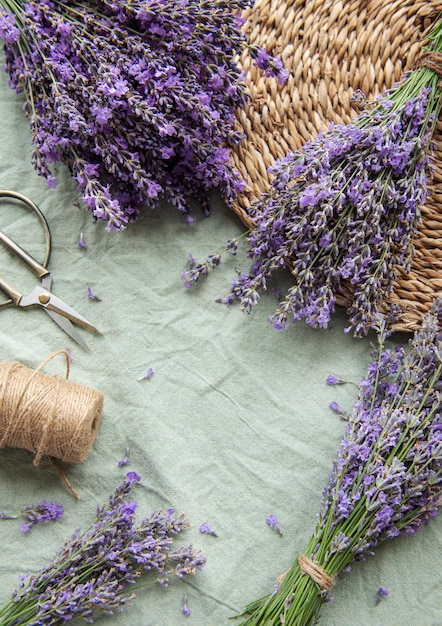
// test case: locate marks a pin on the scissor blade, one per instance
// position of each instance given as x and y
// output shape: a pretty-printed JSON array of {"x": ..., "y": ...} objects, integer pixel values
[
  {"x": 66, "y": 325},
  {"x": 46, "y": 299}
]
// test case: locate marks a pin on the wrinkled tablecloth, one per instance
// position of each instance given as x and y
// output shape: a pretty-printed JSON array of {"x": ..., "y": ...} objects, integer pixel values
[{"x": 234, "y": 425}]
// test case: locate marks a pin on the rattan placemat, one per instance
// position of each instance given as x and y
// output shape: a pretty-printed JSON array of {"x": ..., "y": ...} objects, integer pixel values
[{"x": 331, "y": 49}]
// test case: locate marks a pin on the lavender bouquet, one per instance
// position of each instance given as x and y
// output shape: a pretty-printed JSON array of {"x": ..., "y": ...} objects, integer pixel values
[
  {"x": 341, "y": 212},
  {"x": 92, "y": 571},
  {"x": 385, "y": 482},
  {"x": 137, "y": 99}
]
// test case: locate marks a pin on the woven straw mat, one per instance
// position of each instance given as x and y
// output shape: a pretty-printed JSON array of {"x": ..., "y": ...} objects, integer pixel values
[{"x": 331, "y": 49}]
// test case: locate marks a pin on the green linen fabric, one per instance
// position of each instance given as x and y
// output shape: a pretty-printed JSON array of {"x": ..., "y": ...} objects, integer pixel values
[{"x": 235, "y": 424}]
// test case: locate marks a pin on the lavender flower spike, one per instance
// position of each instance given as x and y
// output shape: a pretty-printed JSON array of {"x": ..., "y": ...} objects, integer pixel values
[
  {"x": 39, "y": 513},
  {"x": 341, "y": 212},
  {"x": 93, "y": 572},
  {"x": 138, "y": 100},
  {"x": 386, "y": 479}
]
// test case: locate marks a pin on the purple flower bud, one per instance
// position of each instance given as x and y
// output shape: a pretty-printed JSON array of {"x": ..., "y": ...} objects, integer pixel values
[
  {"x": 125, "y": 460},
  {"x": 272, "y": 521},
  {"x": 148, "y": 374},
  {"x": 92, "y": 296},
  {"x": 81, "y": 242},
  {"x": 185, "y": 609},
  {"x": 382, "y": 593},
  {"x": 334, "y": 380},
  {"x": 207, "y": 529}
]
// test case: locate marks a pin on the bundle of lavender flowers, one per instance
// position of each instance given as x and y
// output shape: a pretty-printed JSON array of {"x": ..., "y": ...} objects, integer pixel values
[
  {"x": 137, "y": 99},
  {"x": 94, "y": 572},
  {"x": 342, "y": 212},
  {"x": 386, "y": 480}
]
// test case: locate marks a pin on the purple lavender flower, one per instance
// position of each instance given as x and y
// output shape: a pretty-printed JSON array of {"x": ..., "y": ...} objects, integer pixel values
[
  {"x": 148, "y": 374},
  {"x": 93, "y": 571},
  {"x": 8, "y": 28},
  {"x": 341, "y": 213},
  {"x": 137, "y": 100},
  {"x": 81, "y": 242},
  {"x": 207, "y": 529},
  {"x": 381, "y": 594},
  {"x": 198, "y": 270},
  {"x": 125, "y": 460},
  {"x": 272, "y": 66},
  {"x": 185, "y": 609},
  {"x": 386, "y": 479},
  {"x": 272, "y": 521},
  {"x": 92, "y": 295},
  {"x": 39, "y": 513},
  {"x": 334, "y": 380},
  {"x": 334, "y": 406}
]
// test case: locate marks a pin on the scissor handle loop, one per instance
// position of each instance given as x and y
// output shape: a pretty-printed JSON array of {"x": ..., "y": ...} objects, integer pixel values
[{"x": 5, "y": 193}]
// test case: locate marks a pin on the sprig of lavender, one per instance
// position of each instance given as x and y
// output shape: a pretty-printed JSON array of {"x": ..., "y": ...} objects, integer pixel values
[
  {"x": 137, "y": 99},
  {"x": 386, "y": 480},
  {"x": 93, "y": 571},
  {"x": 34, "y": 514},
  {"x": 199, "y": 269},
  {"x": 341, "y": 213}
]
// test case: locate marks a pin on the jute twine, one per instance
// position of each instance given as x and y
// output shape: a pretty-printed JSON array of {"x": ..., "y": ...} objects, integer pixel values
[
  {"x": 333, "y": 48},
  {"x": 316, "y": 573},
  {"x": 47, "y": 415}
]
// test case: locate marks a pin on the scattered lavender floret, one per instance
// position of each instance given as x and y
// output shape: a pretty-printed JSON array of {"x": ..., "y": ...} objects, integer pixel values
[
  {"x": 92, "y": 295},
  {"x": 125, "y": 460},
  {"x": 199, "y": 269},
  {"x": 272, "y": 521},
  {"x": 185, "y": 608},
  {"x": 382, "y": 593},
  {"x": 81, "y": 242},
  {"x": 207, "y": 529},
  {"x": 137, "y": 99},
  {"x": 334, "y": 406},
  {"x": 93, "y": 571},
  {"x": 148, "y": 374},
  {"x": 335, "y": 380}
]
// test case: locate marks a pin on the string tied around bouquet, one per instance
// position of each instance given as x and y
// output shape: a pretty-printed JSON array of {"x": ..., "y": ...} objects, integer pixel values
[
  {"x": 430, "y": 59},
  {"x": 316, "y": 573},
  {"x": 47, "y": 415}
]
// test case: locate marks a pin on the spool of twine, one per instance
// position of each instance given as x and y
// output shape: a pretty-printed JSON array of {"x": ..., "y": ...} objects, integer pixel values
[{"x": 47, "y": 415}]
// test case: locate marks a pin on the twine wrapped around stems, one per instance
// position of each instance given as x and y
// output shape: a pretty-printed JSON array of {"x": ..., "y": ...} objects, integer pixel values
[
  {"x": 47, "y": 415},
  {"x": 332, "y": 48},
  {"x": 316, "y": 573}
]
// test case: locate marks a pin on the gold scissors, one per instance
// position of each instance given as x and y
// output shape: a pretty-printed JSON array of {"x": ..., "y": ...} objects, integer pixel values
[{"x": 60, "y": 312}]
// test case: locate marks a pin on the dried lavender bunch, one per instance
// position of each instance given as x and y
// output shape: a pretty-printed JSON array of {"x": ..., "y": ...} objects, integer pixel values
[
  {"x": 343, "y": 210},
  {"x": 93, "y": 571},
  {"x": 386, "y": 480},
  {"x": 137, "y": 99}
]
